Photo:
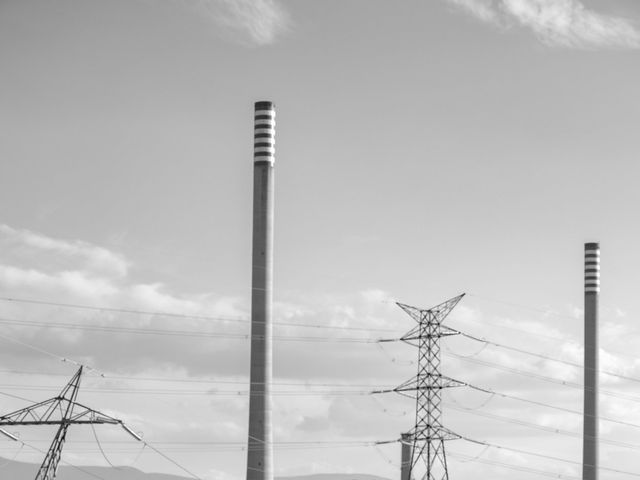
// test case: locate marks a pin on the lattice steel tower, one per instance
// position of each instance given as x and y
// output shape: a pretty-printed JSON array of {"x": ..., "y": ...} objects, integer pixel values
[
  {"x": 62, "y": 411},
  {"x": 428, "y": 436}
]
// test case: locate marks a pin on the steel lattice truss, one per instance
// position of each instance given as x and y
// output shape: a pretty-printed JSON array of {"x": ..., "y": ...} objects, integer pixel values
[
  {"x": 428, "y": 436},
  {"x": 62, "y": 410}
]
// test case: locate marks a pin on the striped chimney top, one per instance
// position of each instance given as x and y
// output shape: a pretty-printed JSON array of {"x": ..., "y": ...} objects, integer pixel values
[
  {"x": 592, "y": 268},
  {"x": 264, "y": 132}
]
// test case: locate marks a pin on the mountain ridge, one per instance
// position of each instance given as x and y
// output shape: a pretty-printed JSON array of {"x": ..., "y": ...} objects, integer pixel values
[{"x": 15, "y": 470}]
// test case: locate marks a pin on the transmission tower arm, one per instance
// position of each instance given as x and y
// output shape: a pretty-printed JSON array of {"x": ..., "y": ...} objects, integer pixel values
[
  {"x": 43, "y": 413},
  {"x": 416, "y": 334},
  {"x": 439, "y": 311}
]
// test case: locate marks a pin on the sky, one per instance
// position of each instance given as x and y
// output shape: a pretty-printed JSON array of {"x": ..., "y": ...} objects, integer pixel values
[{"x": 424, "y": 149}]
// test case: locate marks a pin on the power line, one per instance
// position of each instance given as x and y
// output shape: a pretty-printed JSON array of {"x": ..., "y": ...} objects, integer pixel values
[
  {"x": 65, "y": 359},
  {"x": 536, "y": 426},
  {"x": 179, "y": 333},
  {"x": 484, "y": 323},
  {"x": 95, "y": 435},
  {"x": 237, "y": 319},
  {"x": 524, "y": 307},
  {"x": 180, "y": 392},
  {"x": 17, "y": 397},
  {"x": 281, "y": 443},
  {"x": 196, "y": 381},
  {"x": 547, "y": 457},
  {"x": 534, "y": 402},
  {"x": 544, "y": 378},
  {"x": 547, "y": 405},
  {"x": 91, "y": 474},
  {"x": 487, "y": 342},
  {"x": 221, "y": 447},
  {"x": 9, "y": 460},
  {"x": 47, "y": 353},
  {"x": 510, "y": 466},
  {"x": 171, "y": 460},
  {"x": 545, "y": 357}
]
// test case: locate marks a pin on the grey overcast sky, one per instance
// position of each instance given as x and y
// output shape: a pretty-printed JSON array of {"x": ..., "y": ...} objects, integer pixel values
[{"x": 424, "y": 148}]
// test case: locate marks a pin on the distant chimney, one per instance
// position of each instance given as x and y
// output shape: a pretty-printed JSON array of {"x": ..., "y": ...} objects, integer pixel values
[{"x": 591, "y": 300}]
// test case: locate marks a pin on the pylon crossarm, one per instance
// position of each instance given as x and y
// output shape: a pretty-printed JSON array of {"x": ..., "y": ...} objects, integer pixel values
[
  {"x": 409, "y": 385},
  {"x": 406, "y": 386},
  {"x": 439, "y": 382},
  {"x": 448, "y": 382},
  {"x": 416, "y": 334},
  {"x": 447, "y": 331},
  {"x": 442, "y": 310},
  {"x": 412, "y": 335},
  {"x": 37, "y": 415},
  {"x": 92, "y": 416},
  {"x": 449, "y": 435},
  {"x": 413, "y": 312},
  {"x": 441, "y": 434},
  {"x": 64, "y": 422},
  {"x": 37, "y": 412}
]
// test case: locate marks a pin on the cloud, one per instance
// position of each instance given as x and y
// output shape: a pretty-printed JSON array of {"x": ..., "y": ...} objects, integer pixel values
[
  {"x": 185, "y": 389},
  {"x": 482, "y": 9},
  {"x": 563, "y": 23},
  {"x": 39, "y": 267},
  {"x": 91, "y": 256},
  {"x": 251, "y": 22}
]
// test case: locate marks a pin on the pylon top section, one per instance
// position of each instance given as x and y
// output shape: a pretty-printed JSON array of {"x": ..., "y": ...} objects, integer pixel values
[
  {"x": 59, "y": 410},
  {"x": 435, "y": 314},
  {"x": 429, "y": 321}
]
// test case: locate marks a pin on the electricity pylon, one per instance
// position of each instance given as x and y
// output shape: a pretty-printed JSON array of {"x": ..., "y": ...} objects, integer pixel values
[
  {"x": 428, "y": 436},
  {"x": 64, "y": 411}
]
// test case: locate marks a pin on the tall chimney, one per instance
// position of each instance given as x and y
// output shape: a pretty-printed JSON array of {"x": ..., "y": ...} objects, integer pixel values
[
  {"x": 260, "y": 441},
  {"x": 591, "y": 300}
]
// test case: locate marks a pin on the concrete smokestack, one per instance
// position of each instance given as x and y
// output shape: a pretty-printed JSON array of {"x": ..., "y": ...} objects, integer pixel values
[
  {"x": 591, "y": 300},
  {"x": 406, "y": 440},
  {"x": 260, "y": 441}
]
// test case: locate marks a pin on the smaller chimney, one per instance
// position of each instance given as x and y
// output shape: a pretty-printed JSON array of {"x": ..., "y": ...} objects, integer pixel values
[
  {"x": 591, "y": 311},
  {"x": 406, "y": 439}
]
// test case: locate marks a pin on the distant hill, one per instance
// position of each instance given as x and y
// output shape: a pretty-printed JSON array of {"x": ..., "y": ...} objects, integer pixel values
[
  {"x": 335, "y": 476},
  {"x": 27, "y": 471}
]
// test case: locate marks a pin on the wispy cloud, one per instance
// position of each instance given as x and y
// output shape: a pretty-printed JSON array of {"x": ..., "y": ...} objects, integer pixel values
[
  {"x": 251, "y": 22},
  {"x": 93, "y": 256},
  {"x": 483, "y": 9},
  {"x": 565, "y": 23}
]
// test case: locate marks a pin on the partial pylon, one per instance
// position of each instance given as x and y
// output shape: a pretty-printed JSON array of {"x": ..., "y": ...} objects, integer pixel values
[{"x": 62, "y": 410}]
